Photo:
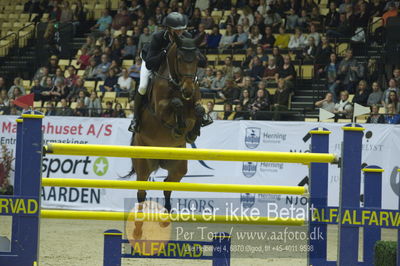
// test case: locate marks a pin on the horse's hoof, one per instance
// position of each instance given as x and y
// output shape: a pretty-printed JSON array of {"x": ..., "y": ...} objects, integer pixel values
[
  {"x": 164, "y": 224},
  {"x": 177, "y": 133}
]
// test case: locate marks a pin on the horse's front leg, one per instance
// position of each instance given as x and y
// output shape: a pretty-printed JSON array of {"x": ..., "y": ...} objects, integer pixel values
[
  {"x": 177, "y": 107},
  {"x": 199, "y": 112}
]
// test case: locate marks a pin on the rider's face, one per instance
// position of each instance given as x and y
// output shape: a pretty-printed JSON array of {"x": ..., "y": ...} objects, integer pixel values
[{"x": 177, "y": 32}]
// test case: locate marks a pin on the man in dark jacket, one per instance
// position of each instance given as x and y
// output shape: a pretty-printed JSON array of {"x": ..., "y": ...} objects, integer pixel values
[{"x": 153, "y": 56}]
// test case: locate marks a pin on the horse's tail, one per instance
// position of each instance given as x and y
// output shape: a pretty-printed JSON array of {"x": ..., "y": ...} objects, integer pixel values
[{"x": 132, "y": 172}]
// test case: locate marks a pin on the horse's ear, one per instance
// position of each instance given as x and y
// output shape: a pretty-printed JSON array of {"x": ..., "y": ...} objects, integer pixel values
[
  {"x": 176, "y": 39},
  {"x": 199, "y": 39}
]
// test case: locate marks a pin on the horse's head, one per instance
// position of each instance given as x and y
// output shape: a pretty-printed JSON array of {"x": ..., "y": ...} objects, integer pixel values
[{"x": 184, "y": 67}]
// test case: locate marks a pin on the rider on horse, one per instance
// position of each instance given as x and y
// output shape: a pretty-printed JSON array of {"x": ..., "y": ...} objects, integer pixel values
[{"x": 153, "y": 56}]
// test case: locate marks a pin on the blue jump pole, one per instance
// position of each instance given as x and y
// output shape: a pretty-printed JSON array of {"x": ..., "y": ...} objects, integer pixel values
[
  {"x": 112, "y": 248},
  {"x": 372, "y": 200},
  {"x": 25, "y": 231},
  {"x": 318, "y": 187},
  {"x": 221, "y": 249},
  {"x": 350, "y": 193}
]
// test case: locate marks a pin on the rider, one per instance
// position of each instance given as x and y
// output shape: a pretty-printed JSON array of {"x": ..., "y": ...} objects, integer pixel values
[{"x": 154, "y": 55}]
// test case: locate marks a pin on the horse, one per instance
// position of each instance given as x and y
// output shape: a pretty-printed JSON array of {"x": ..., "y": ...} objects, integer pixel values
[{"x": 172, "y": 116}]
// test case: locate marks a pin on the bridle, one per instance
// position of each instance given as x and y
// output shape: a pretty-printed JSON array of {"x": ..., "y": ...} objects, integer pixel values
[{"x": 179, "y": 78}]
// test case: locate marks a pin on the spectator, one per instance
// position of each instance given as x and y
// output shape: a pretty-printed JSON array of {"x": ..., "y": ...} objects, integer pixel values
[
  {"x": 233, "y": 18},
  {"x": 3, "y": 84},
  {"x": 261, "y": 55},
  {"x": 76, "y": 89},
  {"x": 363, "y": 17},
  {"x": 210, "y": 111},
  {"x": 134, "y": 71},
  {"x": 64, "y": 110},
  {"x": 240, "y": 113},
  {"x": 247, "y": 84},
  {"x": 237, "y": 75},
  {"x": 110, "y": 82},
  {"x": 207, "y": 20},
  {"x": 80, "y": 109},
  {"x": 327, "y": 103},
  {"x": 228, "y": 113},
  {"x": 59, "y": 91},
  {"x": 4, "y": 97},
  {"x": 108, "y": 112},
  {"x": 392, "y": 12},
  {"x": 16, "y": 92},
  {"x": 42, "y": 74},
  {"x": 202, "y": 31},
  {"x": 376, "y": 8},
  {"x": 80, "y": 13},
  {"x": 287, "y": 72},
  {"x": 316, "y": 18},
  {"x": 375, "y": 98},
  {"x": 129, "y": 51},
  {"x": 332, "y": 18},
  {"x": 47, "y": 89},
  {"x": 59, "y": 77},
  {"x": 248, "y": 58},
  {"x": 396, "y": 75},
  {"x": 227, "y": 39},
  {"x": 17, "y": 84},
  {"x": 273, "y": 19},
  {"x": 259, "y": 22},
  {"x": 37, "y": 90},
  {"x": 324, "y": 51},
  {"x": 292, "y": 20},
  {"x": 361, "y": 96},
  {"x": 93, "y": 105},
  {"x": 101, "y": 70},
  {"x": 67, "y": 14},
  {"x": 245, "y": 25},
  {"x": 144, "y": 38},
  {"x": 331, "y": 74},
  {"x": 257, "y": 69},
  {"x": 304, "y": 20},
  {"x": 281, "y": 99},
  {"x": 240, "y": 39},
  {"x": 50, "y": 110},
  {"x": 108, "y": 39},
  {"x": 344, "y": 108},
  {"x": 230, "y": 92},
  {"x": 392, "y": 87},
  {"x": 4, "y": 109},
  {"x": 255, "y": 36},
  {"x": 375, "y": 117},
  {"x": 53, "y": 65},
  {"x": 310, "y": 51},
  {"x": 72, "y": 76},
  {"x": 297, "y": 40},
  {"x": 268, "y": 40},
  {"x": 214, "y": 38},
  {"x": 218, "y": 82},
  {"x": 314, "y": 34},
  {"x": 103, "y": 23},
  {"x": 247, "y": 14},
  {"x": 206, "y": 82},
  {"x": 271, "y": 71},
  {"x": 123, "y": 36},
  {"x": 152, "y": 26},
  {"x": 263, "y": 7},
  {"x": 349, "y": 71},
  {"x": 392, "y": 117},
  {"x": 344, "y": 5},
  {"x": 125, "y": 82},
  {"x": 195, "y": 19},
  {"x": 119, "y": 112},
  {"x": 83, "y": 58},
  {"x": 393, "y": 100},
  {"x": 343, "y": 30},
  {"x": 244, "y": 99},
  {"x": 282, "y": 39},
  {"x": 90, "y": 44},
  {"x": 121, "y": 19}
]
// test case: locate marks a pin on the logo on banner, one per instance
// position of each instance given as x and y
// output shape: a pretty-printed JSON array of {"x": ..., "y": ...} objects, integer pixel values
[
  {"x": 249, "y": 169},
  {"x": 247, "y": 200},
  {"x": 271, "y": 167},
  {"x": 100, "y": 166},
  {"x": 252, "y": 138},
  {"x": 275, "y": 138}
]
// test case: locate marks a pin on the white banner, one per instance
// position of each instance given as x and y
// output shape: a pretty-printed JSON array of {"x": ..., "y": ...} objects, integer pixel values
[{"x": 381, "y": 146}]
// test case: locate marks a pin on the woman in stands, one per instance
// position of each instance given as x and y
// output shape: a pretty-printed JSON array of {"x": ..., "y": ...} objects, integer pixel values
[
  {"x": 375, "y": 117},
  {"x": 227, "y": 38}
]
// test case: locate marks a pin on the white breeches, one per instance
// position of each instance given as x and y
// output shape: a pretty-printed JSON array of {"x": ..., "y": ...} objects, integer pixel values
[{"x": 144, "y": 78}]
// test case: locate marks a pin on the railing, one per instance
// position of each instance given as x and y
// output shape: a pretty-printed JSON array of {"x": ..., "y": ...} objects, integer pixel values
[{"x": 6, "y": 46}]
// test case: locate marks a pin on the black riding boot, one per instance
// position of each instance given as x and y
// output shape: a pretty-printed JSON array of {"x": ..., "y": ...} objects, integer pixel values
[
  {"x": 135, "y": 123},
  {"x": 201, "y": 112},
  {"x": 207, "y": 120}
]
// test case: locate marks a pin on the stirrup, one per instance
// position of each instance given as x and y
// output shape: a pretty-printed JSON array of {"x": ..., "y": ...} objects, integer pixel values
[{"x": 134, "y": 126}]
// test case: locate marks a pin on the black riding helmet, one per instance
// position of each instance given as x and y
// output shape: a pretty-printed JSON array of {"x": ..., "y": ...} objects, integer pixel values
[{"x": 175, "y": 21}]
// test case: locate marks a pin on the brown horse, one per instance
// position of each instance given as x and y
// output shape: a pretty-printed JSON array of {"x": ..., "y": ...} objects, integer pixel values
[{"x": 172, "y": 115}]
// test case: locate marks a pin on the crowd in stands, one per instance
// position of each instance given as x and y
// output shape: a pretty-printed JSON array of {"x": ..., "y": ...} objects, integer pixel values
[{"x": 271, "y": 34}]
